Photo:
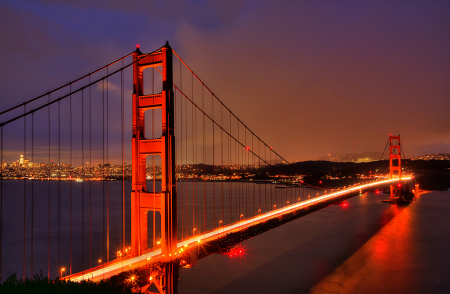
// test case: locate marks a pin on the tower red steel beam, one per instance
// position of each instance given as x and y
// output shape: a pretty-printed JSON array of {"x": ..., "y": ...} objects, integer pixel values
[
  {"x": 395, "y": 167},
  {"x": 143, "y": 201}
]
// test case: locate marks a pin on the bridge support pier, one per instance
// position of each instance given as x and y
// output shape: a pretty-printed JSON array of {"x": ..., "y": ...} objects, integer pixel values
[{"x": 163, "y": 277}]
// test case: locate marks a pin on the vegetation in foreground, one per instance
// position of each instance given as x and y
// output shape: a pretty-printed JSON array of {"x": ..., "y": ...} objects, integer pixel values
[{"x": 40, "y": 284}]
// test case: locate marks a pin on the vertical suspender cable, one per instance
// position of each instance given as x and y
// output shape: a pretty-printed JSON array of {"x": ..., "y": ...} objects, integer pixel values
[
  {"x": 24, "y": 193},
  {"x": 90, "y": 182},
  {"x": 221, "y": 165},
  {"x": 107, "y": 161},
  {"x": 246, "y": 172},
  {"x": 236, "y": 163},
  {"x": 153, "y": 162},
  {"x": 214, "y": 190},
  {"x": 59, "y": 184},
  {"x": 259, "y": 175},
  {"x": 253, "y": 172},
  {"x": 237, "y": 148},
  {"x": 186, "y": 169},
  {"x": 103, "y": 172},
  {"x": 122, "y": 98},
  {"x": 49, "y": 167},
  {"x": 181, "y": 158},
  {"x": 204, "y": 162},
  {"x": 71, "y": 172},
  {"x": 196, "y": 154},
  {"x": 193, "y": 155},
  {"x": 236, "y": 160},
  {"x": 181, "y": 164},
  {"x": 32, "y": 197},
  {"x": 231, "y": 173},
  {"x": 82, "y": 184}
]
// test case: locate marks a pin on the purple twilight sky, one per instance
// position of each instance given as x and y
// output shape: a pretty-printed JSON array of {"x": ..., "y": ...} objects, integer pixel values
[{"x": 308, "y": 77}]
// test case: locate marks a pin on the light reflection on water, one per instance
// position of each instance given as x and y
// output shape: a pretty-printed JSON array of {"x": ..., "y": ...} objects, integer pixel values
[{"x": 369, "y": 247}]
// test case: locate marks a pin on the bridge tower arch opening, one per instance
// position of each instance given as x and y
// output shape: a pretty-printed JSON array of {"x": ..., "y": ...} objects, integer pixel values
[{"x": 143, "y": 201}]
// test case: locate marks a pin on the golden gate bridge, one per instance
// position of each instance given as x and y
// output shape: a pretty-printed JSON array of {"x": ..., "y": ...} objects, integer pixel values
[{"x": 201, "y": 180}]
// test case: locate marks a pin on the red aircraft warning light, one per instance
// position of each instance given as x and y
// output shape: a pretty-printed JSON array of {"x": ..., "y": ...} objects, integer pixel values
[{"x": 247, "y": 148}]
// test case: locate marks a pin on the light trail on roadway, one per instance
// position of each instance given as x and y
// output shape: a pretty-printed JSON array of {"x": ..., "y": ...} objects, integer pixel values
[{"x": 118, "y": 266}]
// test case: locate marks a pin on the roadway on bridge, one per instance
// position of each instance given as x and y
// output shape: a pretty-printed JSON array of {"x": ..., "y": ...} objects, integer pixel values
[{"x": 115, "y": 267}]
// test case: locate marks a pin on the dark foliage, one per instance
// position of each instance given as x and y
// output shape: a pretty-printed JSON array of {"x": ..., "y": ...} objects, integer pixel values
[{"x": 40, "y": 284}]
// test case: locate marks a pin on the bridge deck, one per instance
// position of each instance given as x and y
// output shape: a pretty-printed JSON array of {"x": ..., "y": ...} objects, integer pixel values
[{"x": 115, "y": 267}]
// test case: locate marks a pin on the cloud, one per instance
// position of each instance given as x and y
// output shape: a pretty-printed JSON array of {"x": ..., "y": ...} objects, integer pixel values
[{"x": 307, "y": 77}]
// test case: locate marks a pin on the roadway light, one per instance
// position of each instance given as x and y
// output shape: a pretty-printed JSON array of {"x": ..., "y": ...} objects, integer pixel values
[{"x": 62, "y": 270}]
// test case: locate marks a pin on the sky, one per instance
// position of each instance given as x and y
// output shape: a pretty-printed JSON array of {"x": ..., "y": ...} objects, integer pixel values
[{"x": 310, "y": 78}]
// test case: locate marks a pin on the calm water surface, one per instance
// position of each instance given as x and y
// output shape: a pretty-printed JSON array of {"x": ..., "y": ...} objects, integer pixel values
[
  {"x": 37, "y": 196},
  {"x": 367, "y": 247}
]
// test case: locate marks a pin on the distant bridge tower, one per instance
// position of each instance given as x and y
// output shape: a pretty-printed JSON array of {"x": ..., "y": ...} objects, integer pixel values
[
  {"x": 143, "y": 201},
  {"x": 395, "y": 166}
]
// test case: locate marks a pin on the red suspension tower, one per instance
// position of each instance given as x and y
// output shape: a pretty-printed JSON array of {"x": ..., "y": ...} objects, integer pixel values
[
  {"x": 143, "y": 201},
  {"x": 395, "y": 167}
]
